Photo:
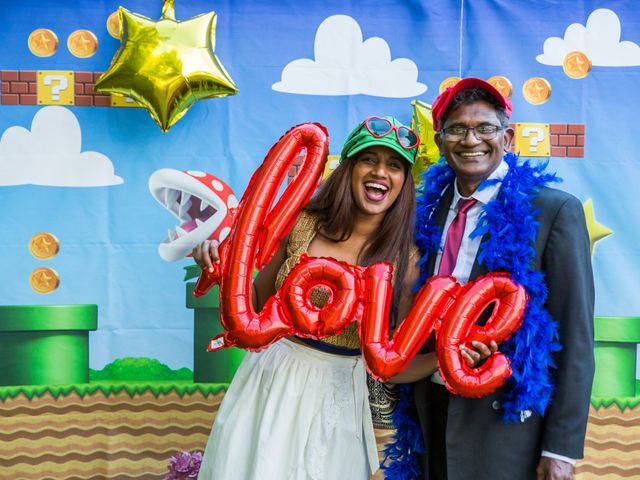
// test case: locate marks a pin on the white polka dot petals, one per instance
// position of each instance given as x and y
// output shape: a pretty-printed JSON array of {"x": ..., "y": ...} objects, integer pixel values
[{"x": 221, "y": 195}]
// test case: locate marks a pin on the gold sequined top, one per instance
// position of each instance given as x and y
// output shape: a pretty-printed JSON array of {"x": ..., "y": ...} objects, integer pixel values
[{"x": 299, "y": 239}]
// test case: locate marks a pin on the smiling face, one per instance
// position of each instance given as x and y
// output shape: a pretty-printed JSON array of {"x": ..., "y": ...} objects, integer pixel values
[
  {"x": 472, "y": 159},
  {"x": 376, "y": 179}
]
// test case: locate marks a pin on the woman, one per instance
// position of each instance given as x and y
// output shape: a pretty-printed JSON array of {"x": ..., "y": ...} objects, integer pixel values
[{"x": 299, "y": 409}]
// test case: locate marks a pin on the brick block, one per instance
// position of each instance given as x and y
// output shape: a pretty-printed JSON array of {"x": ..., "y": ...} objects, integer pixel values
[
  {"x": 83, "y": 100},
  {"x": 558, "y": 151},
  {"x": 102, "y": 100},
  {"x": 6, "y": 86},
  {"x": 79, "y": 89},
  {"x": 553, "y": 139},
  {"x": 10, "y": 99},
  {"x": 292, "y": 172},
  {"x": 19, "y": 87},
  {"x": 575, "y": 152},
  {"x": 28, "y": 76},
  {"x": 88, "y": 88},
  {"x": 567, "y": 140},
  {"x": 558, "y": 128},
  {"x": 84, "y": 77},
  {"x": 28, "y": 99},
  {"x": 576, "y": 128},
  {"x": 9, "y": 75},
  {"x": 96, "y": 76},
  {"x": 580, "y": 140},
  {"x": 33, "y": 87}
]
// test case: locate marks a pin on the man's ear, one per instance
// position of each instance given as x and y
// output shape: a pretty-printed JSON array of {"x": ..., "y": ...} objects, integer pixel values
[
  {"x": 438, "y": 141},
  {"x": 508, "y": 139}
]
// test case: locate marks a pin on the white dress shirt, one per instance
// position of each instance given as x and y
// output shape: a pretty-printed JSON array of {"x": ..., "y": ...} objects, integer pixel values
[{"x": 469, "y": 250}]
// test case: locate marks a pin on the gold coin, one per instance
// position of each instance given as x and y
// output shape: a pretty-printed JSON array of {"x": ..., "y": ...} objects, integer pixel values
[
  {"x": 113, "y": 25},
  {"x": 576, "y": 65},
  {"x": 536, "y": 90},
  {"x": 44, "y": 280},
  {"x": 448, "y": 82},
  {"x": 82, "y": 43},
  {"x": 42, "y": 42},
  {"x": 502, "y": 84},
  {"x": 44, "y": 245}
]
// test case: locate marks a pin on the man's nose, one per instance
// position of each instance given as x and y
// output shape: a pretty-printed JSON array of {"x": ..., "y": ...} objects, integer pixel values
[{"x": 470, "y": 137}]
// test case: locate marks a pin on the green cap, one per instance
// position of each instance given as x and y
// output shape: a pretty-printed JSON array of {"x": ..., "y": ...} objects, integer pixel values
[{"x": 360, "y": 138}]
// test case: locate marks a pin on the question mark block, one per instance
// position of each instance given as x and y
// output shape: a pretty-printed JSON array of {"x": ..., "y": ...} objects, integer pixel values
[
  {"x": 533, "y": 140},
  {"x": 56, "y": 87},
  {"x": 122, "y": 101}
]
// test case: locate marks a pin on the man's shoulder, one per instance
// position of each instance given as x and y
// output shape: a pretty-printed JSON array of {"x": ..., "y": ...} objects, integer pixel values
[{"x": 548, "y": 197}]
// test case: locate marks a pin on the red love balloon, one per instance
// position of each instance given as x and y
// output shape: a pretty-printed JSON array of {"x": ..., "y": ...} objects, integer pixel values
[
  {"x": 354, "y": 293},
  {"x": 338, "y": 279},
  {"x": 386, "y": 358},
  {"x": 509, "y": 302}
]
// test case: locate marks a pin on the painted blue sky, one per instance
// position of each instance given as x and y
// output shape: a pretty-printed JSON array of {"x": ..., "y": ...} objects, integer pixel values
[{"x": 109, "y": 234}]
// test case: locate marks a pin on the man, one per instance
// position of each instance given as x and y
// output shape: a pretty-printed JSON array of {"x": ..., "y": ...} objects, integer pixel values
[{"x": 533, "y": 427}]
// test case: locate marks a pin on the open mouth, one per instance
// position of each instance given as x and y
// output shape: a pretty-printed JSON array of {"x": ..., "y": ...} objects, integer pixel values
[
  {"x": 471, "y": 155},
  {"x": 200, "y": 201},
  {"x": 375, "y": 192}
]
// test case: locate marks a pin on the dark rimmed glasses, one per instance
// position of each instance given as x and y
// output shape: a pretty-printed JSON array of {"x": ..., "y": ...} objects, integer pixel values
[
  {"x": 380, "y": 127},
  {"x": 481, "y": 132}
]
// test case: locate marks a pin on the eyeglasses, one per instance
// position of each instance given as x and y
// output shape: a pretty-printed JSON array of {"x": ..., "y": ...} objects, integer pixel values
[
  {"x": 380, "y": 127},
  {"x": 481, "y": 132}
]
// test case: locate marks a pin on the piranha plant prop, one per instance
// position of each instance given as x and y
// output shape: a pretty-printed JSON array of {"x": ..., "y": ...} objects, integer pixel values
[
  {"x": 202, "y": 203},
  {"x": 166, "y": 65}
]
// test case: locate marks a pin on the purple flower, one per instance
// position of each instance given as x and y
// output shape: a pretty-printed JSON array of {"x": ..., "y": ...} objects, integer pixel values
[{"x": 183, "y": 466}]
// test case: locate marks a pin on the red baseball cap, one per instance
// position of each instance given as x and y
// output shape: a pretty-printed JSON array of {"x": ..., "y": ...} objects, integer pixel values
[{"x": 444, "y": 99}]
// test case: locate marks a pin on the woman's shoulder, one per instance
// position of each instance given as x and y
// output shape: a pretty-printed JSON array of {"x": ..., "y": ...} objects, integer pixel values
[{"x": 413, "y": 269}]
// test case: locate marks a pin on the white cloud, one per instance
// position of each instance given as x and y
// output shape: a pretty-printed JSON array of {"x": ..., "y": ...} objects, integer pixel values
[
  {"x": 344, "y": 64},
  {"x": 599, "y": 40},
  {"x": 50, "y": 154}
]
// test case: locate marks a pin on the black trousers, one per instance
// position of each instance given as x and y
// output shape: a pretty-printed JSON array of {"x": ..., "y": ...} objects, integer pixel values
[{"x": 437, "y": 454}]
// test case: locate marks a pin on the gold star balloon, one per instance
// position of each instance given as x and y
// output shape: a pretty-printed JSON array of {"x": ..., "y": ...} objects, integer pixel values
[
  {"x": 428, "y": 153},
  {"x": 596, "y": 230},
  {"x": 166, "y": 65}
]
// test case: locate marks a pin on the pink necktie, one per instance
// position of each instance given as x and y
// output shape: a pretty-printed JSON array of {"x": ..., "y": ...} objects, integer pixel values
[{"x": 454, "y": 237}]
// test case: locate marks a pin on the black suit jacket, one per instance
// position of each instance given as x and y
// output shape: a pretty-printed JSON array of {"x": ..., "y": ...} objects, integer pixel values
[{"x": 480, "y": 446}]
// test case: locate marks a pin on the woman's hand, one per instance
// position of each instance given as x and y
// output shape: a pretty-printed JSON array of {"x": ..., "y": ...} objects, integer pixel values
[
  {"x": 206, "y": 254},
  {"x": 479, "y": 352}
]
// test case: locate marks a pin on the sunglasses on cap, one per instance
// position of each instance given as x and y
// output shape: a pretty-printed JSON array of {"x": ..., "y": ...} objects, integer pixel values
[{"x": 380, "y": 127}]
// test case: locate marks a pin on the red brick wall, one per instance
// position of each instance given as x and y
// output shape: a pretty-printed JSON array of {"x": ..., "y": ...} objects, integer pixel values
[
  {"x": 21, "y": 88},
  {"x": 567, "y": 139},
  {"x": 84, "y": 94}
]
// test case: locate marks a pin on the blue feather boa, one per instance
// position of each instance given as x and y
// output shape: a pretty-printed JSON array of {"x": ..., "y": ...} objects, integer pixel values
[
  {"x": 401, "y": 457},
  {"x": 510, "y": 225}
]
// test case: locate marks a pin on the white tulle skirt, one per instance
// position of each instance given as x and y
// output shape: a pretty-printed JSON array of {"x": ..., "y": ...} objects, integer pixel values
[{"x": 293, "y": 413}]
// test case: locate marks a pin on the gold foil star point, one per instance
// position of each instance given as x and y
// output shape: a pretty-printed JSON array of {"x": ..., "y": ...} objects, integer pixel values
[{"x": 596, "y": 230}]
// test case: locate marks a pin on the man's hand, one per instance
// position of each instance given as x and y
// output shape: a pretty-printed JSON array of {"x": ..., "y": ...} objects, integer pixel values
[
  {"x": 480, "y": 352},
  {"x": 553, "y": 469}
]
